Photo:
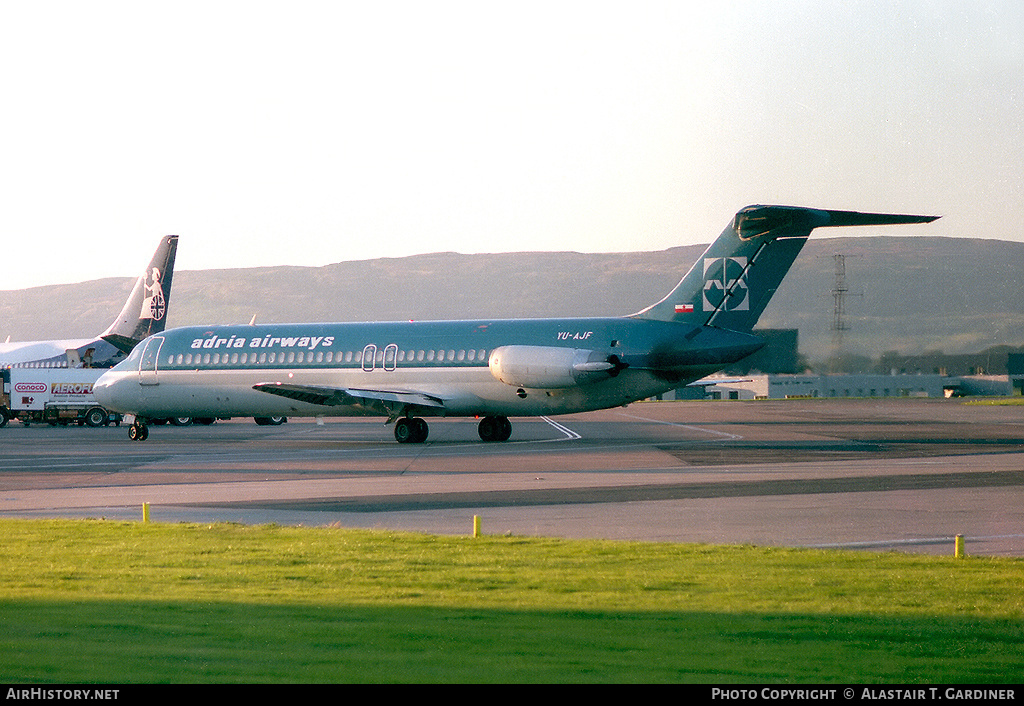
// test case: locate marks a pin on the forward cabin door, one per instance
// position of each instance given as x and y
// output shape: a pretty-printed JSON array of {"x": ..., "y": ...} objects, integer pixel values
[{"x": 149, "y": 360}]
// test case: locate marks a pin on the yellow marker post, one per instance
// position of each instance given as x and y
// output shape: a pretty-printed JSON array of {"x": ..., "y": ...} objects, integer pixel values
[
  {"x": 476, "y": 525},
  {"x": 145, "y": 512},
  {"x": 959, "y": 551}
]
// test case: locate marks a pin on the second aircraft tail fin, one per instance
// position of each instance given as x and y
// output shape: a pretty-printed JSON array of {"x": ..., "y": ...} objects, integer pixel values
[
  {"x": 733, "y": 281},
  {"x": 145, "y": 312}
]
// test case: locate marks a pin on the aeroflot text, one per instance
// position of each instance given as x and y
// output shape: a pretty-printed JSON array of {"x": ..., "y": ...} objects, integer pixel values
[{"x": 309, "y": 342}]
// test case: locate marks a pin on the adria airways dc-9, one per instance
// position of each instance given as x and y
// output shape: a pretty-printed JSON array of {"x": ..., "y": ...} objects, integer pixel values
[{"x": 491, "y": 369}]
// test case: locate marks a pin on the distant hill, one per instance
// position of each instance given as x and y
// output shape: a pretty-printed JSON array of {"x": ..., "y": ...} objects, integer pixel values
[{"x": 907, "y": 294}]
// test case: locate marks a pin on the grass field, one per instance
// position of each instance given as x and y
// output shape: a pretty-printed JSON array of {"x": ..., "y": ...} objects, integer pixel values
[{"x": 121, "y": 603}]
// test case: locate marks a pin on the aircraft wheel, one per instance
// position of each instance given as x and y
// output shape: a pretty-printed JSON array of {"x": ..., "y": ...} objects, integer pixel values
[
  {"x": 181, "y": 421},
  {"x": 138, "y": 432},
  {"x": 404, "y": 431},
  {"x": 411, "y": 430},
  {"x": 422, "y": 430},
  {"x": 495, "y": 429}
]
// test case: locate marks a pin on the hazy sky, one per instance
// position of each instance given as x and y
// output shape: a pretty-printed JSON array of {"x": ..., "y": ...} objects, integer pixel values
[{"x": 308, "y": 133}]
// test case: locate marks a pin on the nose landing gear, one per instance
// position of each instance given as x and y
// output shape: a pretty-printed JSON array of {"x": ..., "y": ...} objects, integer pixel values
[{"x": 138, "y": 431}]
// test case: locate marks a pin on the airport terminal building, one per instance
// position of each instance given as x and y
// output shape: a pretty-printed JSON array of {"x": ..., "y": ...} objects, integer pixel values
[
  {"x": 758, "y": 386},
  {"x": 774, "y": 373}
]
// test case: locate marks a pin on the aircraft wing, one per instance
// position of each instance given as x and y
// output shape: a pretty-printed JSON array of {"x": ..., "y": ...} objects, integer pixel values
[{"x": 348, "y": 396}]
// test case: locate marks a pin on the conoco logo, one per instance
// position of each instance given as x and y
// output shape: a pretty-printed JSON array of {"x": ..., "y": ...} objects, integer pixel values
[{"x": 30, "y": 387}]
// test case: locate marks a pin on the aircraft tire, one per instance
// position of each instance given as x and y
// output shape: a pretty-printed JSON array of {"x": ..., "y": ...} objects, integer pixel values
[
  {"x": 138, "y": 432},
  {"x": 422, "y": 430},
  {"x": 404, "y": 431},
  {"x": 495, "y": 429},
  {"x": 181, "y": 421},
  {"x": 411, "y": 430}
]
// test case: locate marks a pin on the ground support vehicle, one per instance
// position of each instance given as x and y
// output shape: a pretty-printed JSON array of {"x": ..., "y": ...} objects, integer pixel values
[{"x": 53, "y": 396}]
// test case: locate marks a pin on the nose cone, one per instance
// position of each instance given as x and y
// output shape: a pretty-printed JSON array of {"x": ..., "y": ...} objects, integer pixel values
[{"x": 109, "y": 391}]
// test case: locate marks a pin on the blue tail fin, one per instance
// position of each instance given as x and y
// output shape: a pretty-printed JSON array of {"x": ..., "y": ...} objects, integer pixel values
[{"x": 733, "y": 281}]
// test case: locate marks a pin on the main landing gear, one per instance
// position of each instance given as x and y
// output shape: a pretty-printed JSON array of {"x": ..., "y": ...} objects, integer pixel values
[
  {"x": 495, "y": 429},
  {"x": 413, "y": 430}
]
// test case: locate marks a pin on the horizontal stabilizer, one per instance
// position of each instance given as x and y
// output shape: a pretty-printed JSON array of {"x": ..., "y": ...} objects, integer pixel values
[
  {"x": 789, "y": 221},
  {"x": 854, "y": 218},
  {"x": 733, "y": 281}
]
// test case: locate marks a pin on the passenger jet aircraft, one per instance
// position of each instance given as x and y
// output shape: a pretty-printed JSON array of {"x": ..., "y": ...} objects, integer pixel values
[
  {"x": 144, "y": 313},
  {"x": 492, "y": 369}
]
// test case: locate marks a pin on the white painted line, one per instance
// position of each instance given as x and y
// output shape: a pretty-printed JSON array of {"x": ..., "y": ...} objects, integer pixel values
[
  {"x": 562, "y": 428},
  {"x": 723, "y": 435}
]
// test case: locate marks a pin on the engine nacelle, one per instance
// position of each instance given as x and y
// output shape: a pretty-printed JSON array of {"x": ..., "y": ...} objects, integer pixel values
[{"x": 548, "y": 367}]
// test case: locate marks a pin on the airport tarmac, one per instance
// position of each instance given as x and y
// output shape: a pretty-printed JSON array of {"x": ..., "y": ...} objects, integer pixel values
[{"x": 886, "y": 474}]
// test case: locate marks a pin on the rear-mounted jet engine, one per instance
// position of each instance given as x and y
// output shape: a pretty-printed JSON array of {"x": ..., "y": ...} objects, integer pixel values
[{"x": 549, "y": 368}]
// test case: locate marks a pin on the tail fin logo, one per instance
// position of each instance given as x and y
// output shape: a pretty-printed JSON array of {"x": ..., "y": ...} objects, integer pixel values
[
  {"x": 722, "y": 276},
  {"x": 154, "y": 305}
]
